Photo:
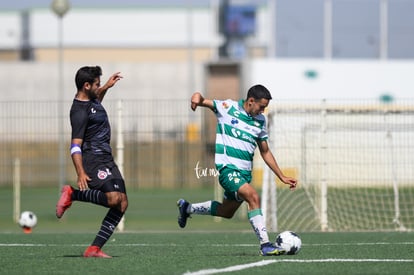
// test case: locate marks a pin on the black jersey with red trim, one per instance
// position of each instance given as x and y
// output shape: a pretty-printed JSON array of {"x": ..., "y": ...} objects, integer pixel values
[{"x": 90, "y": 123}]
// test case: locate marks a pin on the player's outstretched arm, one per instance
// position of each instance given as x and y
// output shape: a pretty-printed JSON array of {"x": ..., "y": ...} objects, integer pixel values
[
  {"x": 270, "y": 160},
  {"x": 198, "y": 100},
  {"x": 109, "y": 84}
]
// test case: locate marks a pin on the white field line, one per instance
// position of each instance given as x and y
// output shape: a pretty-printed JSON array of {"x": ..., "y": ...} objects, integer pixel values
[
  {"x": 230, "y": 268},
  {"x": 267, "y": 262}
]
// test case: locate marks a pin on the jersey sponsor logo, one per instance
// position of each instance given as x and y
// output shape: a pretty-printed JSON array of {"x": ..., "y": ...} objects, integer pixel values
[
  {"x": 234, "y": 121},
  {"x": 235, "y": 132},
  {"x": 243, "y": 136},
  {"x": 252, "y": 130}
]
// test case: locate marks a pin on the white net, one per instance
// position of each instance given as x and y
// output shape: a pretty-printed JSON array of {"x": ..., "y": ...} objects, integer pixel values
[{"x": 354, "y": 164}]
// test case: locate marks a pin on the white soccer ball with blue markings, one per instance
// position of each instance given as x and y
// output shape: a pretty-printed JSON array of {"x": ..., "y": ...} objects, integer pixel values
[
  {"x": 27, "y": 219},
  {"x": 289, "y": 241}
]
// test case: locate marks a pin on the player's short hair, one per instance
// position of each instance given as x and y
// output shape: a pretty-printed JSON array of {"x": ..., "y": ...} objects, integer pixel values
[
  {"x": 87, "y": 74},
  {"x": 258, "y": 92}
]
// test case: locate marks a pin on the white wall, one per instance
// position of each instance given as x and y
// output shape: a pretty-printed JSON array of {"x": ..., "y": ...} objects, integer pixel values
[
  {"x": 286, "y": 79},
  {"x": 10, "y": 31},
  {"x": 338, "y": 79},
  {"x": 153, "y": 82}
]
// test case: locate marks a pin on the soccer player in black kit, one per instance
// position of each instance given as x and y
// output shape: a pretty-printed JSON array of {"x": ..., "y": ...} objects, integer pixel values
[{"x": 99, "y": 179}]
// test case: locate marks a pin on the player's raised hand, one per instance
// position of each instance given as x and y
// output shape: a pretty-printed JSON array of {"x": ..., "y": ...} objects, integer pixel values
[
  {"x": 113, "y": 79},
  {"x": 196, "y": 99},
  {"x": 109, "y": 84}
]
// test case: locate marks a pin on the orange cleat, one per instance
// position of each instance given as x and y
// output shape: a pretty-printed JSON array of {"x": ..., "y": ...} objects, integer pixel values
[
  {"x": 96, "y": 252},
  {"x": 65, "y": 200}
]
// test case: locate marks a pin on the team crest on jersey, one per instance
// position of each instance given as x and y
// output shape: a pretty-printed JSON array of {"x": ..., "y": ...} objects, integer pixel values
[
  {"x": 102, "y": 174},
  {"x": 225, "y": 105}
]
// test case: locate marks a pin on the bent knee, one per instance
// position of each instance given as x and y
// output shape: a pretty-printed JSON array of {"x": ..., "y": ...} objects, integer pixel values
[
  {"x": 116, "y": 199},
  {"x": 228, "y": 216},
  {"x": 124, "y": 205}
]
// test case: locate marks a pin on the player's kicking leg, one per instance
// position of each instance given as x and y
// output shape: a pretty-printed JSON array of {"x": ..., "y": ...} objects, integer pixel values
[
  {"x": 65, "y": 200},
  {"x": 269, "y": 249},
  {"x": 182, "y": 212}
]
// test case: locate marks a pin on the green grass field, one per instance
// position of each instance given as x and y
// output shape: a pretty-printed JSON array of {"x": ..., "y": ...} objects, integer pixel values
[
  {"x": 200, "y": 252},
  {"x": 153, "y": 244}
]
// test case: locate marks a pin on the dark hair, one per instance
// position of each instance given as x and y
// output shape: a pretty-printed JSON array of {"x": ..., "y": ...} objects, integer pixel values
[
  {"x": 258, "y": 92},
  {"x": 87, "y": 74}
]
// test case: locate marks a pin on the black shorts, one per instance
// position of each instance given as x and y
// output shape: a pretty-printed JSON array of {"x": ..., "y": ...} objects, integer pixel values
[{"x": 105, "y": 176}]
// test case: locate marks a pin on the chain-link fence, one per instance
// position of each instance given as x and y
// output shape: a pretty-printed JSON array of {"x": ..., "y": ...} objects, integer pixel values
[{"x": 161, "y": 142}]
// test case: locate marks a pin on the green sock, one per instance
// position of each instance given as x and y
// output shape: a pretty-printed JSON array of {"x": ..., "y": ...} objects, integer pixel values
[{"x": 214, "y": 205}]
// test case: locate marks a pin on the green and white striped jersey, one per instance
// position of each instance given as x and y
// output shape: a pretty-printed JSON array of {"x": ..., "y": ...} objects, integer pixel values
[{"x": 237, "y": 134}]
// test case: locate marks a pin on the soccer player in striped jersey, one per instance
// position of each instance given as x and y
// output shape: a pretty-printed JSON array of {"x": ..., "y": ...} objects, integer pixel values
[{"x": 241, "y": 127}]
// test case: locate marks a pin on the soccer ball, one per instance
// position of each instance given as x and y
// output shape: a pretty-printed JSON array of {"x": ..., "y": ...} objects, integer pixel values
[
  {"x": 290, "y": 241},
  {"x": 27, "y": 219}
]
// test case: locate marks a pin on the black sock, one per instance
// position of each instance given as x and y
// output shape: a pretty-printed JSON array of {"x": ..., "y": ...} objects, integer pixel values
[
  {"x": 109, "y": 223},
  {"x": 93, "y": 196}
]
